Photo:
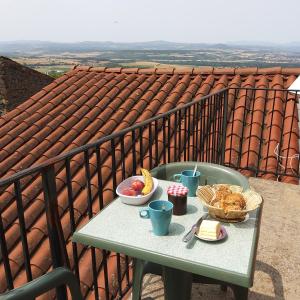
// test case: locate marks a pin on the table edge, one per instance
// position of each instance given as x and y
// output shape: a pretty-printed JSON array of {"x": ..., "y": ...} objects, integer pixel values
[{"x": 185, "y": 265}]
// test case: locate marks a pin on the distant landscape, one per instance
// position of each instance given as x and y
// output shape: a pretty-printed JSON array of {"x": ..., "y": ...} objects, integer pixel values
[{"x": 56, "y": 58}]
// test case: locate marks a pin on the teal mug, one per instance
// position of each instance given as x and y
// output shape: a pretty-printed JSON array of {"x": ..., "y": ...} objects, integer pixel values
[
  {"x": 160, "y": 214},
  {"x": 187, "y": 179}
]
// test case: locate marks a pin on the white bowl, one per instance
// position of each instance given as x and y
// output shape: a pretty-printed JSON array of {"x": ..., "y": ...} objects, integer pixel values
[{"x": 135, "y": 200}]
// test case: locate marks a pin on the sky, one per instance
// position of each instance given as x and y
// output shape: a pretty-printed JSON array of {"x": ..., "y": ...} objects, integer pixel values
[{"x": 209, "y": 21}]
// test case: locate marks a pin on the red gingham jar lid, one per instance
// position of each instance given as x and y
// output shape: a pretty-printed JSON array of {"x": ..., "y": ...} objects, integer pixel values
[{"x": 177, "y": 190}]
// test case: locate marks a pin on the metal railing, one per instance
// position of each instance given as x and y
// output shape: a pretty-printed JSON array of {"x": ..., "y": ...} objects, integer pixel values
[
  {"x": 253, "y": 130},
  {"x": 57, "y": 196},
  {"x": 263, "y": 133}
]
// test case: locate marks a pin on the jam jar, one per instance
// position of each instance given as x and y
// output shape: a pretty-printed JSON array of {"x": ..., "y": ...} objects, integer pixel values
[{"x": 177, "y": 194}]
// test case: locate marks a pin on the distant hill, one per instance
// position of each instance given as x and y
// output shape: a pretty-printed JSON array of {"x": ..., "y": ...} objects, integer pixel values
[{"x": 41, "y": 47}]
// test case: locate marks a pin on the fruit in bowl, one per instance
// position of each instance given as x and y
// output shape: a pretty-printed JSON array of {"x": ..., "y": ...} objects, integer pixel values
[
  {"x": 137, "y": 190},
  {"x": 138, "y": 186},
  {"x": 129, "y": 192},
  {"x": 134, "y": 189}
]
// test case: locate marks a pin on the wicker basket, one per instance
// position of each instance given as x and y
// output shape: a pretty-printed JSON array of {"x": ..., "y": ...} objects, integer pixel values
[{"x": 206, "y": 195}]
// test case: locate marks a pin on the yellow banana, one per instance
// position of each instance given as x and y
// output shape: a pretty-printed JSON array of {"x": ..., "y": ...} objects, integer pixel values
[{"x": 148, "y": 181}]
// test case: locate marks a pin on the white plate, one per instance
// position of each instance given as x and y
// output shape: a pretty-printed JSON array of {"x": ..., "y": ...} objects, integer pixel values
[
  {"x": 223, "y": 235},
  {"x": 135, "y": 200}
]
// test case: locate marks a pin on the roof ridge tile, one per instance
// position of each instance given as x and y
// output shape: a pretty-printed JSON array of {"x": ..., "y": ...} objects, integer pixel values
[
  {"x": 223, "y": 71},
  {"x": 98, "y": 69},
  {"x": 147, "y": 71},
  {"x": 269, "y": 71},
  {"x": 246, "y": 71},
  {"x": 113, "y": 70},
  {"x": 83, "y": 68},
  {"x": 165, "y": 71},
  {"x": 290, "y": 71},
  {"x": 203, "y": 70},
  {"x": 130, "y": 70},
  {"x": 192, "y": 70},
  {"x": 183, "y": 70}
]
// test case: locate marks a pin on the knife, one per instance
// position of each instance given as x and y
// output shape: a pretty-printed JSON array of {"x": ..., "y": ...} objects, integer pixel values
[{"x": 194, "y": 229}]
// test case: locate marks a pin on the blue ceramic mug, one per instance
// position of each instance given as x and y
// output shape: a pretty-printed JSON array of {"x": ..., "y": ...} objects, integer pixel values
[
  {"x": 187, "y": 179},
  {"x": 160, "y": 214}
]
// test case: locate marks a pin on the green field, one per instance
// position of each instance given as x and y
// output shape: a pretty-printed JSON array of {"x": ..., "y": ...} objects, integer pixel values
[{"x": 58, "y": 63}]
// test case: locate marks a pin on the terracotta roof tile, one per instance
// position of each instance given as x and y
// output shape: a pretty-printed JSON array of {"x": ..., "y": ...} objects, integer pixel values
[
  {"x": 39, "y": 103},
  {"x": 88, "y": 103},
  {"x": 220, "y": 84},
  {"x": 289, "y": 81},
  {"x": 205, "y": 88}
]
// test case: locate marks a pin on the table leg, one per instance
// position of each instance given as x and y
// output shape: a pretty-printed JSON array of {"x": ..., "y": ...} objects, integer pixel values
[
  {"x": 138, "y": 273},
  {"x": 240, "y": 293},
  {"x": 177, "y": 284}
]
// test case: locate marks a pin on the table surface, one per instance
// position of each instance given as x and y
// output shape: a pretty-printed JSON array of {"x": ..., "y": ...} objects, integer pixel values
[{"x": 119, "y": 228}]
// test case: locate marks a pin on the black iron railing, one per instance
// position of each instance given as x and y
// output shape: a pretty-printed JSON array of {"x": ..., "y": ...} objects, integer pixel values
[
  {"x": 239, "y": 128},
  {"x": 71, "y": 188},
  {"x": 263, "y": 133}
]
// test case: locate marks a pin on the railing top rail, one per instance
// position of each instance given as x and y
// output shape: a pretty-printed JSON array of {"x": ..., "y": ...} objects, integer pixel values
[{"x": 71, "y": 153}]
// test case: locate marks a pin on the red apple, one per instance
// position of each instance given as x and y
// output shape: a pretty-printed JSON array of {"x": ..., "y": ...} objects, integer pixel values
[
  {"x": 137, "y": 185},
  {"x": 129, "y": 192}
]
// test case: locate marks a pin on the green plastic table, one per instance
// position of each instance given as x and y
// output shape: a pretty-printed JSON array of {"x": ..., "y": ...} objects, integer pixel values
[{"x": 119, "y": 228}]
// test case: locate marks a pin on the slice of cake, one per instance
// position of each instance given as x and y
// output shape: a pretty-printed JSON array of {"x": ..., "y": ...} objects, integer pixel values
[{"x": 209, "y": 229}]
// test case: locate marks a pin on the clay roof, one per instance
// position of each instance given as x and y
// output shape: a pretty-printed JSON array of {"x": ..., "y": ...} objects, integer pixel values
[
  {"x": 18, "y": 83},
  {"x": 88, "y": 103}
]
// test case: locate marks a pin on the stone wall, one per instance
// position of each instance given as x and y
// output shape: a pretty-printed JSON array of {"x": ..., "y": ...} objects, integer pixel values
[
  {"x": 3, "y": 104},
  {"x": 18, "y": 83}
]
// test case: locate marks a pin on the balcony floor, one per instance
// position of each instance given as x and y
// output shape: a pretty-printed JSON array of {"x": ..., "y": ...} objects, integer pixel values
[{"x": 277, "y": 267}]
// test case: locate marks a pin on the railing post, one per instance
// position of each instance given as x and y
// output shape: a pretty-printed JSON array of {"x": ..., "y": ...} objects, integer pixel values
[
  {"x": 224, "y": 126},
  {"x": 55, "y": 233}
]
